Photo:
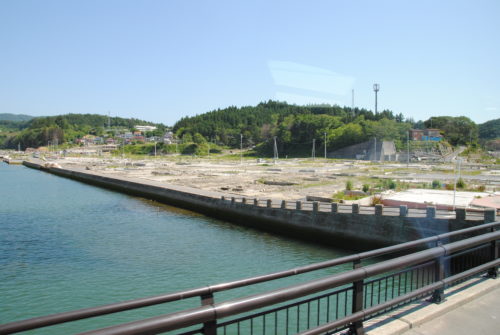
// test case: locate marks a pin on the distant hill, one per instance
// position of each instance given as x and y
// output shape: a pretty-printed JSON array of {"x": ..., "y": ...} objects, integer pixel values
[
  {"x": 489, "y": 130},
  {"x": 15, "y": 117},
  {"x": 295, "y": 128},
  {"x": 66, "y": 128}
]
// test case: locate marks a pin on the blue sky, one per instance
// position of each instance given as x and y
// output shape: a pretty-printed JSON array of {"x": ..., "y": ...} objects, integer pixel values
[{"x": 162, "y": 60}]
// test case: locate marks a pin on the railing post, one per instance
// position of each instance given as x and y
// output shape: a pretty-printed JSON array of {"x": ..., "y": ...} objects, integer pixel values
[
  {"x": 335, "y": 207},
  {"x": 438, "y": 294},
  {"x": 355, "y": 208},
  {"x": 283, "y": 204},
  {"x": 269, "y": 203},
  {"x": 244, "y": 201},
  {"x": 210, "y": 327},
  {"x": 298, "y": 205},
  {"x": 460, "y": 214},
  {"x": 431, "y": 212},
  {"x": 379, "y": 209},
  {"x": 315, "y": 206},
  {"x": 223, "y": 198},
  {"x": 490, "y": 215},
  {"x": 356, "y": 328},
  {"x": 256, "y": 202},
  {"x": 403, "y": 210},
  {"x": 233, "y": 200}
]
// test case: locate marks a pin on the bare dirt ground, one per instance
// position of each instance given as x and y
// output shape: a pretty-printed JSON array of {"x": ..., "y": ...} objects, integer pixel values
[{"x": 292, "y": 179}]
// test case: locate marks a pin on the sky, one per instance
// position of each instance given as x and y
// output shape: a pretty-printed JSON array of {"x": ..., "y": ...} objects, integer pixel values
[{"x": 164, "y": 60}]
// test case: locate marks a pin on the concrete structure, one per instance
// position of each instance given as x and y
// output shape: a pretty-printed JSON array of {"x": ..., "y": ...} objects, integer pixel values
[
  {"x": 351, "y": 226},
  {"x": 441, "y": 199},
  {"x": 374, "y": 150},
  {"x": 488, "y": 202}
]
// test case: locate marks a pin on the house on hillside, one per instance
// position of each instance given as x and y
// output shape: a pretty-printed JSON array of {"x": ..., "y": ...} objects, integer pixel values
[
  {"x": 168, "y": 138},
  {"x": 425, "y": 135},
  {"x": 145, "y": 128}
]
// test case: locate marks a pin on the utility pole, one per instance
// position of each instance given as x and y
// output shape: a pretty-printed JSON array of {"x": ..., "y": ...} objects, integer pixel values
[
  {"x": 314, "y": 149},
  {"x": 275, "y": 150},
  {"x": 241, "y": 148},
  {"x": 375, "y": 150},
  {"x": 155, "y": 148},
  {"x": 376, "y": 88},
  {"x": 325, "y": 145},
  {"x": 408, "y": 147}
]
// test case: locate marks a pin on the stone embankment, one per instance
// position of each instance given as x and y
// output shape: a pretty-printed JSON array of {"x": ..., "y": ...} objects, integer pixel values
[{"x": 352, "y": 226}]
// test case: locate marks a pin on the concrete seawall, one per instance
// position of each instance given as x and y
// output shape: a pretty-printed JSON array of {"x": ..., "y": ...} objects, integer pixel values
[{"x": 355, "y": 228}]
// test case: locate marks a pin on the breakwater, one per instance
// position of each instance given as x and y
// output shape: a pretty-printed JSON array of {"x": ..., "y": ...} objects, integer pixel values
[{"x": 353, "y": 226}]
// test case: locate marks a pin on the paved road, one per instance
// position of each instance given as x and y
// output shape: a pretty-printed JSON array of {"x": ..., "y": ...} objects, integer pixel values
[{"x": 481, "y": 316}]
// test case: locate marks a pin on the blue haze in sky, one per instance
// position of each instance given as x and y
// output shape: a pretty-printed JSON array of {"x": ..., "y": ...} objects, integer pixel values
[{"x": 162, "y": 60}]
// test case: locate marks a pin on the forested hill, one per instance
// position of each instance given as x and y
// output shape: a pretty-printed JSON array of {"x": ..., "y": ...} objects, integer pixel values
[
  {"x": 294, "y": 126},
  {"x": 15, "y": 117},
  {"x": 68, "y": 127},
  {"x": 490, "y": 130},
  {"x": 88, "y": 121}
]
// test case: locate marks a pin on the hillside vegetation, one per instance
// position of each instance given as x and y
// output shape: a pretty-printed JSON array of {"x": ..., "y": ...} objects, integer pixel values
[
  {"x": 66, "y": 128},
  {"x": 15, "y": 117},
  {"x": 295, "y": 127},
  {"x": 490, "y": 130}
]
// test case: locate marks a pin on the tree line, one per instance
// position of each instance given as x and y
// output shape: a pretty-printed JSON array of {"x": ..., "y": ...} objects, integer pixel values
[{"x": 66, "y": 128}]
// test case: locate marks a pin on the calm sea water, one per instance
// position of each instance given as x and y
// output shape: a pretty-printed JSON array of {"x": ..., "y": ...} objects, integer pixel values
[{"x": 66, "y": 245}]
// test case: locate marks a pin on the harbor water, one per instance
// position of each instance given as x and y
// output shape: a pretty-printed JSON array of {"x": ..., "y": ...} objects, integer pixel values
[{"x": 66, "y": 245}]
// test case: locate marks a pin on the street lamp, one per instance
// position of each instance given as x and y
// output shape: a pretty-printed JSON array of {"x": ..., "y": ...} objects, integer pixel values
[{"x": 376, "y": 88}]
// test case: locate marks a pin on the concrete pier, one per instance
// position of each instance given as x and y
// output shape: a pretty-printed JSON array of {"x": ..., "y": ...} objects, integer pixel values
[{"x": 335, "y": 224}]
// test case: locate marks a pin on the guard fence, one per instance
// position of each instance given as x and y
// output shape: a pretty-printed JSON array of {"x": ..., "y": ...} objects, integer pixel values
[{"x": 339, "y": 302}]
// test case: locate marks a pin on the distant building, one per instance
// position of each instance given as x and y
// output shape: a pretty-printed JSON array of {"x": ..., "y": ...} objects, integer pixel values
[
  {"x": 168, "y": 138},
  {"x": 425, "y": 135},
  {"x": 145, "y": 128},
  {"x": 154, "y": 139}
]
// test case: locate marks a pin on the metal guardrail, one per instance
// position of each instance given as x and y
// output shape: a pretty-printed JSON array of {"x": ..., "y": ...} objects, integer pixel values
[{"x": 347, "y": 298}]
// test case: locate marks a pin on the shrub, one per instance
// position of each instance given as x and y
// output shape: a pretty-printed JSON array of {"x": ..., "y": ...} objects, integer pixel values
[
  {"x": 348, "y": 185},
  {"x": 366, "y": 188},
  {"x": 481, "y": 188},
  {"x": 436, "y": 184},
  {"x": 391, "y": 184},
  {"x": 460, "y": 183},
  {"x": 376, "y": 200}
]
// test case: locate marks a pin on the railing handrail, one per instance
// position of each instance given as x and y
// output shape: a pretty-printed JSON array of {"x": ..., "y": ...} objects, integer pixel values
[
  {"x": 206, "y": 313},
  {"x": 58, "y": 318},
  {"x": 400, "y": 299}
]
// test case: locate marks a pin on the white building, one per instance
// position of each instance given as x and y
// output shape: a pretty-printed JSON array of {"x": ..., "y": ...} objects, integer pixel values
[{"x": 145, "y": 128}]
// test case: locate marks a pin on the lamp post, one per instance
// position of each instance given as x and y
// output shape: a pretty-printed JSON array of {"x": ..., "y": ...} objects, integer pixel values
[{"x": 376, "y": 88}]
